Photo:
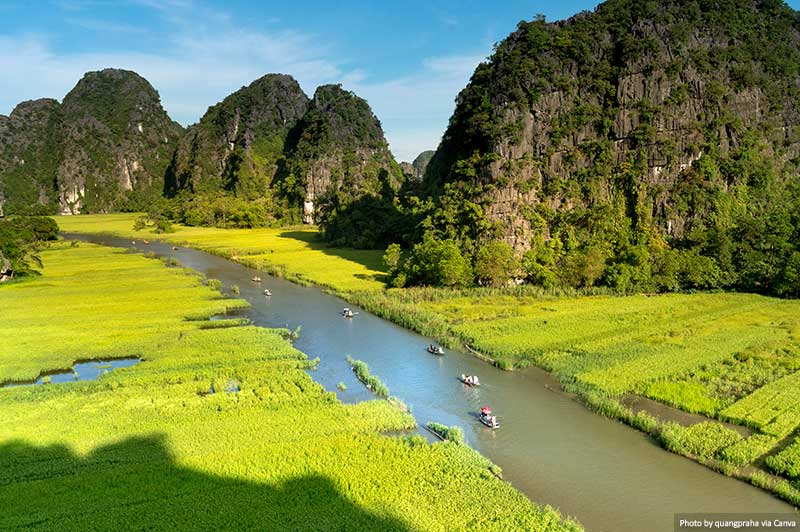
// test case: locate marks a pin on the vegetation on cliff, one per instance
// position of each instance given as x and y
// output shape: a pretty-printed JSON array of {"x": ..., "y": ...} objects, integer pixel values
[
  {"x": 106, "y": 147},
  {"x": 646, "y": 146}
]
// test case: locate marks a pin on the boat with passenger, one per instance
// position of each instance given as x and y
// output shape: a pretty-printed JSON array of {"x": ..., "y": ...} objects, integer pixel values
[
  {"x": 347, "y": 313},
  {"x": 471, "y": 380},
  {"x": 488, "y": 419},
  {"x": 435, "y": 349}
]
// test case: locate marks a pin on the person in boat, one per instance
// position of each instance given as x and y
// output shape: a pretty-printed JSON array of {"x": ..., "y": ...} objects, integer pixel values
[
  {"x": 463, "y": 378},
  {"x": 475, "y": 380},
  {"x": 468, "y": 380}
]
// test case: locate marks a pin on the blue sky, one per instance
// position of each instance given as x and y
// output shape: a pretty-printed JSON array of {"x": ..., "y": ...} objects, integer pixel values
[{"x": 408, "y": 59}]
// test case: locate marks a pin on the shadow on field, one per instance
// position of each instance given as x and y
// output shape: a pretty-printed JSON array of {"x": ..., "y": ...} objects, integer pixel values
[
  {"x": 368, "y": 258},
  {"x": 137, "y": 485}
]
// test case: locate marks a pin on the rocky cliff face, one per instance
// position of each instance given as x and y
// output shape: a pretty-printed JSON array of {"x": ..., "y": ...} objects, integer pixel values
[
  {"x": 339, "y": 149},
  {"x": 109, "y": 142},
  {"x": 661, "y": 114},
  {"x": 117, "y": 142},
  {"x": 240, "y": 142},
  {"x": 417, "y": 168},
  {"x": 421, "y": 162},
  {"x": 29, "y": 154}
]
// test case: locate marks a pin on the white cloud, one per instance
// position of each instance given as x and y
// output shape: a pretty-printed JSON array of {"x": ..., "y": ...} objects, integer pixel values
[
  {"x": 415, "y": 109},
  {"x": 209, "y": 57}
]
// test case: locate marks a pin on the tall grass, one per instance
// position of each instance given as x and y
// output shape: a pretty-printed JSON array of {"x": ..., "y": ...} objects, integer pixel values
[{"x": 373, "y": 383}]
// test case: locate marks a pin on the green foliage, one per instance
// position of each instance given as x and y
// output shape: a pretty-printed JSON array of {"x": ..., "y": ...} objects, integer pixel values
[
  {"x": 494, "y": 263},
  {"x": 453, "y": 434},
  {"x": 708, "y": 438},
  {"x": 435, "y": 262},
  {"x": 21, "y": 240},
  {"x": 787, "y": 462},
  {"x": 373, "y": 383},
  {"x": 748, "y": 450},
  {"x": 392, "y": 257}
]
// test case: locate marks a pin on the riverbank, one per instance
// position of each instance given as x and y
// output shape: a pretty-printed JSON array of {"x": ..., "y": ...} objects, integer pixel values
[
  {"x": 224, "y": 421},
  {"x": 732, "y": 358}
]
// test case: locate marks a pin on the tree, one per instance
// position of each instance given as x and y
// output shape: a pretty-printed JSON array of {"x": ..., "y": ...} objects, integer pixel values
[
  {"x": 435, "y": 262},
  {"x": 391, "y": 258},
  {"x": 20, "y": 241},
  {"x": 494, "y": 263}
]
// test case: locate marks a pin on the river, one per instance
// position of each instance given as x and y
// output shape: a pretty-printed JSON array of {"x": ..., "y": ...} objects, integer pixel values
[{"x": 608, "y": 476}]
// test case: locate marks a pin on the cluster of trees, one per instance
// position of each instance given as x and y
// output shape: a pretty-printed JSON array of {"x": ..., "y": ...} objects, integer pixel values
[
  {"x": 21, "y": 238},
  {"x": 224, "y": 210}
]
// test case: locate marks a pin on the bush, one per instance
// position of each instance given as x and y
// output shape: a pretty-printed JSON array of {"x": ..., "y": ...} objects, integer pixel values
[
  {"x": 373, "y": 383},
  {"x": 708, "y": 438},
  {"x": 453, "y": 434},
  {"x": 670, "y": 435},
  {"x": 787, "y": 462},
  {"x": 747, "y": 451}
]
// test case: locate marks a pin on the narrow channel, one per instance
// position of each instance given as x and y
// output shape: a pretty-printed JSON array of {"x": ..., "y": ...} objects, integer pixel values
[{"x": 608, "y": 476}]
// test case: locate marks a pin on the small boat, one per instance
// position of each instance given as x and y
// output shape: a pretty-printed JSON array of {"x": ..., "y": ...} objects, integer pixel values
[
  {"x": 347, "y": 313},
  {"x": 267, "y": 292},
  {"x": 435, "y": 349},
  {"x": 488, "y": 419},
  {"x": 174, "y": 248},
  {"x": 470, "y": 380},
  {"x": 256, "y": 279},
  {"x": 145, "y": 241}
]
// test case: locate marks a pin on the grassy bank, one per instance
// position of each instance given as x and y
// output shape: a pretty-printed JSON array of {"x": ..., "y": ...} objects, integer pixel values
[
  {"x": 295, "y": 253},
  {"x": 151, "y": 447}
]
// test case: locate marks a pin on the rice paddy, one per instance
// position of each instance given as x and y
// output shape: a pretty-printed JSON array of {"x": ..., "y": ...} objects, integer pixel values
[
  {"x": 730, "y": 357},
  {"x": 297, "y": 254},
  {"x": 216, "y": 428}
]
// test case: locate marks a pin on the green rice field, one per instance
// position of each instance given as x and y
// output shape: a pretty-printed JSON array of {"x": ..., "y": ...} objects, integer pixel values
[
  {"x": 297, "y": 254},
  {"x": 732, "y": 358},
  {"x": 215, "y": 429}
]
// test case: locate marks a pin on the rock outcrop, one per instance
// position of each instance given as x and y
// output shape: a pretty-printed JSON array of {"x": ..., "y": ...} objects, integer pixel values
[
  {"x": 416, "y": 169},
  {"x": 339, "y": 149},
  {"x": 29, "y": 154},
  {"x": 109, "y": 142},
  {"x": 658, "y": 110},
  {"x": 117, "y": 141},
  {"x": 239, "y": 143}
]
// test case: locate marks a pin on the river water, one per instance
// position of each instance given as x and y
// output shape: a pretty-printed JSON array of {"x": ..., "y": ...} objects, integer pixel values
[{"x": 608, "y": 476}]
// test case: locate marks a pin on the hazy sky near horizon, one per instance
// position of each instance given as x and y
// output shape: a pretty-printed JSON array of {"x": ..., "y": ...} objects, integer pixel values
[{"x": 408, "y": 59}]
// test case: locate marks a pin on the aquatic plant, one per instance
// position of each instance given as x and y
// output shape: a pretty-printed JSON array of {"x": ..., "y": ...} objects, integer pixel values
[
  {"x": 373, "y": 383},
  {"x": 453, "y": 434}
]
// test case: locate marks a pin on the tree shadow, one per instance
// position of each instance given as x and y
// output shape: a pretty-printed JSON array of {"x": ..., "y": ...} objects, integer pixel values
[{"x": 137, "y": 485}]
